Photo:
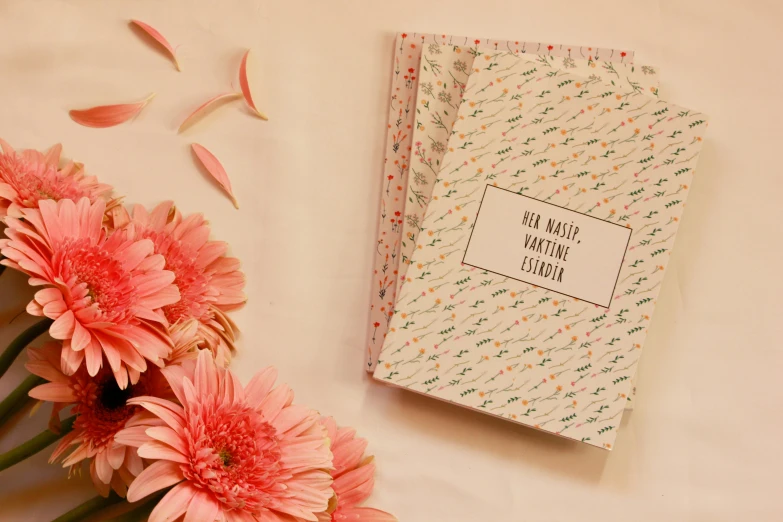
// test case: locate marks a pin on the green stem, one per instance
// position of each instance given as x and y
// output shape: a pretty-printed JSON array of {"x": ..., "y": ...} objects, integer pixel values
[
  {"x": 18, "y": 398},
  {"x": 143, "y": 511},
  {"x": 21, "y": 342},
  {"x": 34, "y": 445},
  {"x": 89, "y": 508}
]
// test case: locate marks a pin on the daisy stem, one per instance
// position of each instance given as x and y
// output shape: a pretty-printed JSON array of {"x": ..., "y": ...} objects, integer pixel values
[
  {"x": 20, "y": 343},
  {"x": 18, "y": 398},
  {"x": 141, "y": 512},
  {"x": 34, "y": 445},
  {"x": 92, "y": 506}
]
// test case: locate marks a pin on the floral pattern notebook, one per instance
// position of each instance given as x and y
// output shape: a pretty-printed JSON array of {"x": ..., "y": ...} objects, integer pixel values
[
  {"x": 398, "y": 151},
  {"x": 520, "y": 316},
  {"x": 443, "y": 74}
]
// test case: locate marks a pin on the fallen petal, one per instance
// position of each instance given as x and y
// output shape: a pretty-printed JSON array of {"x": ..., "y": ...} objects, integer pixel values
[
  {"x": 108, "y": 115},
  {"x": 245, "y": 85},
  {"x": 207, "y": 107},
  {"x": 215, "y": 169},
  {"x": 159, "y": 38}
]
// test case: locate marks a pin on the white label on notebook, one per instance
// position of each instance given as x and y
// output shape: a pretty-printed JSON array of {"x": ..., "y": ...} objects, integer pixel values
[{"x": 574, "y": 254}]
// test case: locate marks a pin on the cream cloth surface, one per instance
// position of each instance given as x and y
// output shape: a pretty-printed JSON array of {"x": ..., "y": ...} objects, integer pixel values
[{"x": 704, "y": 441}]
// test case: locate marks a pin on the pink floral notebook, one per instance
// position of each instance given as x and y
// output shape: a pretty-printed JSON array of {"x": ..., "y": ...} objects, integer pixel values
[
  {"x": 405, "y": 119},
  {"x": 541, "y": 252}
]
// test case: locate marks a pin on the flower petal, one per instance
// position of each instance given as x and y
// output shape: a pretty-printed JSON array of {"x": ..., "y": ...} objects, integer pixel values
[
  {"x": 159, "y": 38},
  {"x": 174, "y": 504},
  {"x": 202, "y": 507},
  {"x": 63, "y": 326},
  {"x": 207, "y": 107},
  {"x": 363, "y": 514},
  {"x": 53, "y": 392},
  {"x": 108, "y": 115},
  {"x": 215, "y": 169},
  {"x": 245, "y": 86},
  {"x": 159, "y": 475},
  {"x": 158, "y": 451}
]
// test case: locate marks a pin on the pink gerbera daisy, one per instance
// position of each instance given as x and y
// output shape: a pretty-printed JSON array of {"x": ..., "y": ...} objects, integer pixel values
[
  {"x": 28, "y": 176},
  {"x": 101, "y": 411},
  {"x": 210, "y": 284},
  {"x": 232, "y": 454},
  {"x": 353, "y": 475},
  {"x": 103, "y": 292}
]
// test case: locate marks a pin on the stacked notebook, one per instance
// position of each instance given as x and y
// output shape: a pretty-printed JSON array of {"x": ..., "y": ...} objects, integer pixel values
[{"x": 532, "y": 194}]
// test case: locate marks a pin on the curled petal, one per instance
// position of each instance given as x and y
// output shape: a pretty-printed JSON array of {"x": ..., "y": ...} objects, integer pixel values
[
  {"x": 215, "y": 169},
  {"x": 159, "y": 38},
  {"x": 207, "y": 107},
  {"x": 245, "y": 85}
]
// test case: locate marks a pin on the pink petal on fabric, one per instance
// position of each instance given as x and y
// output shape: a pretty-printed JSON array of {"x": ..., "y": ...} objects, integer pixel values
[
  {"x": 202, "y": 507},
  {"x": 245, "y": 86},
  {"x": 207, "y": 107},
  {"x": 357, "y": 514},
  {"x": 53, "y": 392},
  {"x": 215, "y": 169},
  {"x": 260, "y": 385},
  {"x": 174, "y": 504},
  {"x": 159, "y": 475},
  {"x": 159, "y": 38},
  {"x": 108, "y": 115}
]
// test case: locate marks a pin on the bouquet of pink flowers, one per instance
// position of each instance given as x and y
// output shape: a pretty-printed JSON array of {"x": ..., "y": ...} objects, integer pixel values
[{"x": 138, "y": 305}]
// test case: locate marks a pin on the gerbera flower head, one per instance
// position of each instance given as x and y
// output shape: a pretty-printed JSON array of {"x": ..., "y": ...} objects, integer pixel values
[
  {"x": 28, "y": 176},
  {"x": 102, "y": 291},
  {"x": 101, "y": 410},
  {"x": 232, "y": 454},
  {"x": 210, "y": 284},
  {"x": 354, "y": 478}
]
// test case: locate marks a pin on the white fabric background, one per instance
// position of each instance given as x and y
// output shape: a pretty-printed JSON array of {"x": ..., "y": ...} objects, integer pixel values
[{"x": 704, "y": 442}]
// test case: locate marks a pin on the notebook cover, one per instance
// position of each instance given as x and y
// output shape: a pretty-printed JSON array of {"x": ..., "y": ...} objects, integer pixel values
[
  {"x": 503, "y": 346},
  {"x": 407, "y": 55}
]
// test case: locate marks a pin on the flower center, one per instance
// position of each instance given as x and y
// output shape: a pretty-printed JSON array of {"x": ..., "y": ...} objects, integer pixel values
[
  {"x": 235, "y": 454},
  {"x": 96, "y": 279},
  {"x": 225, "y": 457},
  {"x": 112, "y": 397}
]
